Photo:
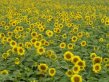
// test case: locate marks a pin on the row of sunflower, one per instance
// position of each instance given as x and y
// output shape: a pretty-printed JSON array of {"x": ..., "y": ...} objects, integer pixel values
[{"x": 54, "y": 41}]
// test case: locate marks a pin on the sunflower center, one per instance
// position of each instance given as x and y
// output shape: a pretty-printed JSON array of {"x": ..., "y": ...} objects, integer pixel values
[
  {"x": 76, "y": 79},
  {"x": 68, "y": 56},
  {"x": 43, "y": 67}
]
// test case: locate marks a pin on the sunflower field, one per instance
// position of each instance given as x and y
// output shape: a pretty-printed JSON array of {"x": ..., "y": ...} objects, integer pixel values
[{"x": 54, "y": 40}]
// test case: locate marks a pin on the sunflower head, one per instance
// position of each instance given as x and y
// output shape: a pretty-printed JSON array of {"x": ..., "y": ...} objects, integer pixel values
[
  {"x": 96, "y": 68},
  {"x": 43, "y": 67},
  {"x": 76, "y": 78},
  {"x": 75, "y": 59},
  {"x": 69, "y": 73},
  {"x": 52, "y": 71},
  {"x": 97, "y": 59},
  {"x": 76, "y": 69},
  {"x": 68, "y": 55}
]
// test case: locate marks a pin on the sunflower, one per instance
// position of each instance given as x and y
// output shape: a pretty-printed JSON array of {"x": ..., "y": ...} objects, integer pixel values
[
  {"x": 17, "y": 36},
  {"x": 28, "y": 44},
  {"x": 95, "y": 48},
  {"x": 20, "y": 51},
  {"x": 107, "y": 45},
  {"x": 33, "y": 40},
  {"x": 107, "y": 34},
  {"x": 75, "y": 59},
  {"x": 49, "y": 53},
  {"x": 43, "y": 41},
  {"x": 92, "y": 55},
  {"x": 2, "y": 35},
  {"x": 60, "y": 25},
  {"x": 81, "y": 63},
  {"x": 14, "y": 49},
  {"x": 9, "y": 39},
  {"x": 49, "y": 33},
  {"x": 70, "y": 46},
  {"x": 2, "y": 23},
  {"x": 14, "y": 23},
  {"x": 80, "y": 34},
  {"x": 40, "y": 50},
  {"x": 43, "y": 67},
  {"x": 52, "y": 72},
  {"x": 46, "y": 43},
  {"x": 4, "y": 39},
  {"x": 83, "y": 43},
  {"x": 21, "y": 28},
  {"x": 74, "y": 38},
  {"x": 34, "y": 34},
  {"x": 76, "y": 78},
  {"x": 5, "y": 55},
  {"x": 105, "y": 60},
  {"x": 107, "y": 66},
  {"x": 107, "y": 22},
  {"x": 17, "y": 61},
  {"x": 17, "y": 28},
  {"x": 57, "y": 30},
  {"x": 39, "y": 36},
  {"x": 82, "y": 68},
  {"x": 4, "y": 72},
  {"x": 97, "y": 59},
  {"x": 62, "y": 45},
  {"x": 34, "y": 80},
  {"x": 75, "y": 29},
  {"x": 32, "y": 26},
  {"x": 76, "y": 69},
  {"x": 6, "y": 27},
  {"x": 68, "y": 55},
  {"x": 13, "y": 43},
  {"x": 53, "y": 56},
  {"x": 37, "y": 44},
  {"x": 64, "y": 36},
  {"x": 87, "y": 34},
  {"x": 9, "y": 51},
  {"x": 69, "y": 73},
  {"x": 101, "y": 40},
  {"x": 41, "y": 29},
  {"x": 97, "y": 68},
  {"x": 20, "y": 44}
]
